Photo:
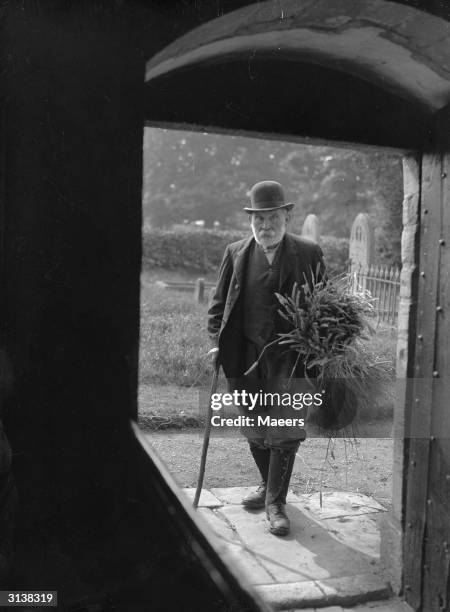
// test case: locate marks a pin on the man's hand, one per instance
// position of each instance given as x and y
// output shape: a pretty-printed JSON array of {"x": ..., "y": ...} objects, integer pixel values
[{"x": 213, "y": 355}]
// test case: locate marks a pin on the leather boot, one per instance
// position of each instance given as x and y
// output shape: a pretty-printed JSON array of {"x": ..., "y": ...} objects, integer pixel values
[
  {"x": 257, "y": 499},
  {"x": 280, "y": 471}
]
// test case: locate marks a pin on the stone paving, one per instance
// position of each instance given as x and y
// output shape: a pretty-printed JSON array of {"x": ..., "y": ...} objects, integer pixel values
[
  {"x": 393, "y": 605},
  {"x": 331, "y": 556}
]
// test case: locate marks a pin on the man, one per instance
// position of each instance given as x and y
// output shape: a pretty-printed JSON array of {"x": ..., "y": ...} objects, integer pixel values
[{"x": 243, "y": 318}]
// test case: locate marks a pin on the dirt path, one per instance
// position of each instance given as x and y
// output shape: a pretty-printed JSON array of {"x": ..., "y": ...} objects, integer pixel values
[{"x": 363, "y": 465}]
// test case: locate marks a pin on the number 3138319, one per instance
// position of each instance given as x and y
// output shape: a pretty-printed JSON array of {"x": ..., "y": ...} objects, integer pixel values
[{"x": 42, "y": 598}]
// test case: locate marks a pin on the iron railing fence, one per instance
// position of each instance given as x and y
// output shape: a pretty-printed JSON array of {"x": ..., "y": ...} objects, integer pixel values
[{"x": 383, "y": 284}]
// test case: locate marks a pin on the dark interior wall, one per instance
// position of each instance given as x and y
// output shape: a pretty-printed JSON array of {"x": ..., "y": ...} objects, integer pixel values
[
  {"x": 72, "y": 193},
  {"x": 73, "y": 160}
]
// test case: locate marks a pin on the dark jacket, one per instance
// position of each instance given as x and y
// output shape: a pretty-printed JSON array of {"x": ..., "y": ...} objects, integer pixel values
[{"x": 301, "y": 259}]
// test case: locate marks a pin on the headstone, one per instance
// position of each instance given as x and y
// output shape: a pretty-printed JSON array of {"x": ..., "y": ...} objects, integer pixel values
[
  {"x": 211, "y": 293},
  {"x": 362, "y": 243},
  {"x": 199, "y": 291},
  {"x": 311, "y": 228}
]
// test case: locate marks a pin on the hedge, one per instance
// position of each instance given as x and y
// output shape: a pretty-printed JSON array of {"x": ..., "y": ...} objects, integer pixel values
[
  {"x": 202, "y": 250},
  {"x": 336, "y": 253},
  {"x": 195, "y": 250}
]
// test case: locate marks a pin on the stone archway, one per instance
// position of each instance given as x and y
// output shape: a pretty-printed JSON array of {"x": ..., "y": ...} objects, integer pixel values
[
  {"x": 397, "y": 47},
  {"x": 394, "y": 58}
]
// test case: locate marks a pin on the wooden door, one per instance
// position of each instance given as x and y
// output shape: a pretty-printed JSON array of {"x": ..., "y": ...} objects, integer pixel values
[{"x": 427, "y": 515}]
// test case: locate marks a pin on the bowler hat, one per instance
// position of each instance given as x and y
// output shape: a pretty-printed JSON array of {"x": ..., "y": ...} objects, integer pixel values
[{"x": 266, "y": 196}]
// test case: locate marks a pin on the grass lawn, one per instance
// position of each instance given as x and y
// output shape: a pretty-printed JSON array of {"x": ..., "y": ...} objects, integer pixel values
[
  {"x": 169, "y": 407},
  {"x": 174, "y": 276},
  {"x": 174, "y": 341}
]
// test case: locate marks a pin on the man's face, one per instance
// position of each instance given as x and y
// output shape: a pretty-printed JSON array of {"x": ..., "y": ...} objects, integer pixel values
[{"x": 269, "y": 227}]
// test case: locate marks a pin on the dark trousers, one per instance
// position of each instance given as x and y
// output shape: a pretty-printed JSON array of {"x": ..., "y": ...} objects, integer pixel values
[{"x": 270, "y": 379}]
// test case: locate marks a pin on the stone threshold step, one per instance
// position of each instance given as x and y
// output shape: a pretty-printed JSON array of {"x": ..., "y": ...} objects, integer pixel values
[
  {"x": 389, "y": 605},
  {"x": 346, "y": 591},
  {"x": 386, "y": 605}
]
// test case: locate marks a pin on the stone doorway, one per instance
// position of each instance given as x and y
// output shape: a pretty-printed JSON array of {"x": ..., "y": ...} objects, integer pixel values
[{"x": 240, "y": 54}]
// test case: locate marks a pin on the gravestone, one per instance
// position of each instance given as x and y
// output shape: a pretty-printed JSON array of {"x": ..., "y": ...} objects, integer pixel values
[
  {"x": 311, "y": 228},
  {"x": 199, "y": 290},
  {"x": 362, "y": 243}
]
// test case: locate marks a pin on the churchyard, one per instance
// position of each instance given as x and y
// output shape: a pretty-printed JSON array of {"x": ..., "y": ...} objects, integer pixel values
[{"x": 174, "y": 371}]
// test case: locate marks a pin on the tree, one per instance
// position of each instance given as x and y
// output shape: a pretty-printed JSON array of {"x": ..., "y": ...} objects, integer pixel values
[{"x": 198, "y": 176}]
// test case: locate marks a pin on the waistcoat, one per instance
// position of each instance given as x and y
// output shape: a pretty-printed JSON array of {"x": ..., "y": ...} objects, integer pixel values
[{"x": 260, "y": 304}]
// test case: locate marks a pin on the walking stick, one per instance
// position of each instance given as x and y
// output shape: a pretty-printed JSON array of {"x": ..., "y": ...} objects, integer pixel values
[{"x": 206, "y": 435}]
